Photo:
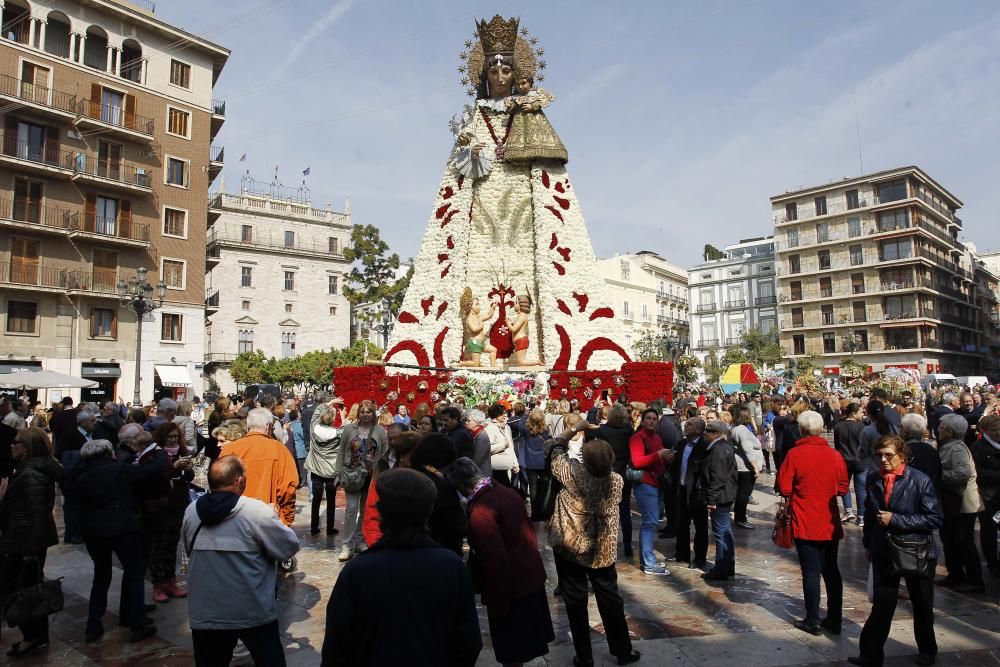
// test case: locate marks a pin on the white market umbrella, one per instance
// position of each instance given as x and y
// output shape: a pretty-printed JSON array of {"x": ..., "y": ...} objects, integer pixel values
[{"x": 43, "y": 380}]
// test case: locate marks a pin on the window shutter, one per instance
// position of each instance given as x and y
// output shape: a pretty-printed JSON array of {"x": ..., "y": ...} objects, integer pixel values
[
  {"x": 130, "y": 112},
  {"x": 10, "y": 135},
  {"x": 95, "y": 101},
  {"x": 52, "y": 145},
  {"x": 114, "y": 323},
  {"x": 93, "y": 323},
  {"x": 90, "y": 211},
  {"x": 125, "y": 225}
]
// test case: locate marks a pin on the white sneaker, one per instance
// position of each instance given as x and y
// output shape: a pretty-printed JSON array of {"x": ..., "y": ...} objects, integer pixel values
[{"x": 345, "y": 553}]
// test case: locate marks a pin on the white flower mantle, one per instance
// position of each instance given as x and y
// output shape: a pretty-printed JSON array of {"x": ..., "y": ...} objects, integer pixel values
[{"x": 519, "y": 224}]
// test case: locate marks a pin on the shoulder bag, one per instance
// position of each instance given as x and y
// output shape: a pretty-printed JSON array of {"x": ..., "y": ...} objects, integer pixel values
[
  {"x": 547, "y": 487},
  {"x": 910, "y": 555},
  {"x": 33, "y": 602},
  {"x": 781, "y": 535}
]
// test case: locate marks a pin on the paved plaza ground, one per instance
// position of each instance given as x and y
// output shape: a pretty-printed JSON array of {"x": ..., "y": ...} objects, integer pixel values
[{"x": 678, "y": 621}]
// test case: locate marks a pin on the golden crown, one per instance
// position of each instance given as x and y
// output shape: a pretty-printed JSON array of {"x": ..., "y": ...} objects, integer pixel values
[{"x": 497, "y": 36}]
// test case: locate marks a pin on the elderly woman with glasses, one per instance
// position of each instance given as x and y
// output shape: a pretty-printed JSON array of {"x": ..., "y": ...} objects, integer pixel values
[
  {"x": 109, "y": 519},
  {"x": 900, "y": 503},
  {"x": 164, "y": 507},
  {"x": 26, "y": 501}
]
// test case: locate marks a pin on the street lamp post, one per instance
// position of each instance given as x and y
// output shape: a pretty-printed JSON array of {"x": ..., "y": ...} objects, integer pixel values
[
  {"x": 137, "y": 295},
  {"x": 385, "y": 326}
]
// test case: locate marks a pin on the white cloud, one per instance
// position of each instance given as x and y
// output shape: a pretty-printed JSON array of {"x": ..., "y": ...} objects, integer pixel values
[{"x": 299, "y": 46}]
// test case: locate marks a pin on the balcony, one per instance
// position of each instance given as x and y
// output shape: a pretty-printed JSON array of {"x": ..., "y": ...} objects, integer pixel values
[
  {"x": 38, "y": 98},
  {"x": 263, "y": 205},
  {"x": 213, "y": 256},
  {"x": 219, "y": 357},
  {"x": 119, "y": 175},
  {"x": 766, "y": 301},
  {"x": 734, "y": 342},
  {"x": 809, "y": 212},
  {"x": 736, "y": 304},
  {"x": 29, "y": 215},
  {"x": 274, "y": 241},
  {"x": 40, "y": 158},
  {"x": 72, "y": 278},
  {"x": 91, "y": 114},
  {"x": 218, "y": 116},
  {"x": 669, "y": 297},
  {"x": 121, "y": 231},
  {"x": 708, "y": 343},
  {"x": 706, "y": 308},
  {"x": 216, "y": 160},
  {"x": 212, "y": 302}
]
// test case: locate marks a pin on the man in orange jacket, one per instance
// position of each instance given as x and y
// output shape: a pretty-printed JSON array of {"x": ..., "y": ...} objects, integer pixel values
[{"x": 271, "y": 474}]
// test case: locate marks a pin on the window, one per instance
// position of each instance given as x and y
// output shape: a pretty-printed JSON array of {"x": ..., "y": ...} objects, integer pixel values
[
  {"x": 334, "y": 244},
  {"x": 103, "y": 323},
  {"x": 27, "y": 200},
  {"x": 797, "y": 320},
  {"x": 645, "y": 313},
  {"x": 852, "y": 199},
  {"x": 892, "y": 191},
  {"x": 112, "y": 102},
  {"x": 793, "y": 238},
  {"x": 857, "y": 255},
  {"x": 900, "y": 307},
  {"x": 34, "y": 82},
  {"x": 28, "y": 142},
  {"x": 767, "y": 325},
  {"x": 289, "y": 280},
  {"x": 625, "y": 268},
  {"x": 824, "y": 259},
  {"x": 287, "y": 345},
  {"x": 177, "y": 172},
  {"x": 829, "y": 343},
  {"x": 900, "y": 249},
  {"x": 861, "y": 336},
  {"x": 331, "y": 284},
  {"x": 791, "y": 212},
  {"x": 898, "y": 218},
  {"x": 798, "y": 344},
  {"x": 628, "y": 341},
  {"x": 180, "y": 73},
  {"x": 172, "y": 272},
  {"x": 333, "y": 310},
  {"x": 795, "y": 287},
  {"x": 820, "y": 205},
  {"x": 245, "y": 341},
  {"x": 246, "y": 276},
  {"x": 109, "y": 160},
  {"x": 174, "y": 222},
  {"x": 822, "y": 232},
  {"x": 857, "y": 283},
  {"x": 22, "y": 317},
  {"x": 708, "y": 336},
  {"x": 246, "y": 233},
  {"x": 106, "y": 215},
  {"x": 178, "y": 122},
  {"x": 794, "y": 264},
  {"x": 171, "y": 327},
  {"x": 289, "y": 239},
  {"x": 245, "y": 305},
  {"x": 854, "y": 226},
  {"x": 826, "y": 312},
  {"x": 826, "y": 287},
  {"x": 859, "y": 311}
]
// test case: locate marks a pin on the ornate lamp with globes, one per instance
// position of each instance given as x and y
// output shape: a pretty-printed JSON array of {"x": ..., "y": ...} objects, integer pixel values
[{"x": 137, "y": 295}]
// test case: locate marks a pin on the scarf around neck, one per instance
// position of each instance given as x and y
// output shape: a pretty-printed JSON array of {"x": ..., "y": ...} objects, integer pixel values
[{"x": 890, "y": 480}]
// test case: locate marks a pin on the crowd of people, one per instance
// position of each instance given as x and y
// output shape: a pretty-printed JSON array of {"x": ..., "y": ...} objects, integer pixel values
[{"x": 446, "y": 502}]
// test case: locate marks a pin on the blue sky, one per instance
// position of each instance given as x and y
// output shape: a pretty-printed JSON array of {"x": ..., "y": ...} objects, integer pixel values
[{"x": 681, "y": 118}]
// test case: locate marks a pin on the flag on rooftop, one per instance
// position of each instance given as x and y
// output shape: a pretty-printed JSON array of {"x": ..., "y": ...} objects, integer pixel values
[
  {"x": 307, "y": 171},
  {"x": 243, "y": 158}
]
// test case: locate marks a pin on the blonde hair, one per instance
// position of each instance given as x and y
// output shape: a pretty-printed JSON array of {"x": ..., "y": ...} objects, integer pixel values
[
  {"x": 536, "y": 422},
  {"x": 385, "y": 419},
  {"x": 352, "y": 414},
  {"x": 571, "y": 420},
  {"x": 726, "y": 416},
  {"x": 184, "y": 408},
  {"x": 564, "y": 407},
  {"x": 798, "y": 408}
]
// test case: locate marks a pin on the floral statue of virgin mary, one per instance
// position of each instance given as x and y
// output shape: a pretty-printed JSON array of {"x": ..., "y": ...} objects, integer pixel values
[{"x": 506, "y": 275}]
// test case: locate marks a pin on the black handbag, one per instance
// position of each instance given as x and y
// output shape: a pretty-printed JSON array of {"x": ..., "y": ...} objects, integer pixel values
[
  {"x": 910, "y": 555},
  {"x": 543, "y": 503},
  {"x": 35, "y": 601}
]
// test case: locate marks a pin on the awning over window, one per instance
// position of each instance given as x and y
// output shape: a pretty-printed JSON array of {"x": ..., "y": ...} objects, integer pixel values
[{"x": 173, "y": 376}]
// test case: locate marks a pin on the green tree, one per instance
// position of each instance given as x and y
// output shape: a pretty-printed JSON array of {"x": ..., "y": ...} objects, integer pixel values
[
  {"x": 713, "y": 367},
  {"x": 733, "y": 355},
  {"x": 711, "y": 252},
  {"x": 373, "y": 276},
  {"x": 851, "y": 369},
  {"x": 649, "y": 346},
  {"x": 249, "y": 368},
  {"x": 686, "y": 368},
  {"x": 762, "y": 349},
  {"x": 355, "y": 354}
]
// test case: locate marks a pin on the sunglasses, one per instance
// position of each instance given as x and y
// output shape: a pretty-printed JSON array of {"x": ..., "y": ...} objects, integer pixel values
[{"x": 883, "y": 455}]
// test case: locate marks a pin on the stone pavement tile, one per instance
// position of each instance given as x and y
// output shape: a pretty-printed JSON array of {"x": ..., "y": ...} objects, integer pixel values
[
  {"x": 749, "y": 649},
  {"x": 659, "y": 652}
]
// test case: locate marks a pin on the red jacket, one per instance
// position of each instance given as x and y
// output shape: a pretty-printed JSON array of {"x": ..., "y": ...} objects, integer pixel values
[
  {"x": 505, "y": 544},
  {"x": 644, "y": 447},
  {"x": 813, "y": 475}
]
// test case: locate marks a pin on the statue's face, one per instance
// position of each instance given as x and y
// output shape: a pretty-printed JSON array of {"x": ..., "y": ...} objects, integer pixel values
[
  {"x": 475, "y": 306},
  {"x": 501, "y": 79},
  {"x": 524, "y": 305}
]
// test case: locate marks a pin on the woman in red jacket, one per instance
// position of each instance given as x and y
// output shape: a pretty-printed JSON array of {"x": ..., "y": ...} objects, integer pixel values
[
  {"x": 813, "y": 476},
  {"x": 649, "y": 456}
]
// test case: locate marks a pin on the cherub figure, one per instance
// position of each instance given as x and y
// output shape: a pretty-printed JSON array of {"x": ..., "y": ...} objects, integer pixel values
[
  {"x": 532, "y": 137},
  {"x": 527, "y": 98},
  {"x": 521, "y": 332},
  {"x": 474, "y": 325}
]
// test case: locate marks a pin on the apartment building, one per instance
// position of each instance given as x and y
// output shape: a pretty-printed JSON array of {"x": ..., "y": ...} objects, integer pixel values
[
  {"x": 275, "y": 276},
  {"x": 732, "y": 295},
  {"x": 649, "y": 293},
  {"x": 872, "y": 267},
  {"x": 105, "y": 164}
]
